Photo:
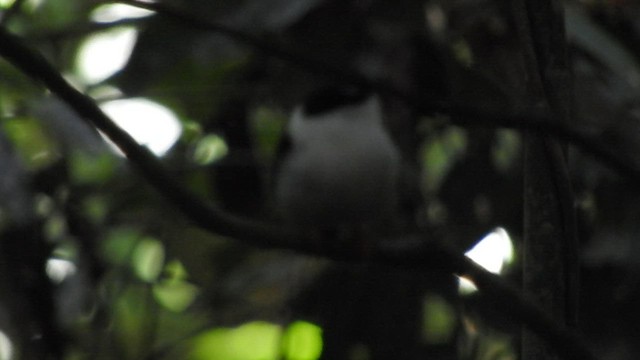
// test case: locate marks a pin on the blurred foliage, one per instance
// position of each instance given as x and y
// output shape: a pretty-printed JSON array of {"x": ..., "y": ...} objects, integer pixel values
[
  {"x": 209, "y": 149},
  {"x": 37, "y": 150},
  {"x": 148, "y": 285},
  {"x": 439, "y": 320},
  {"x": 440, "y": 154}
]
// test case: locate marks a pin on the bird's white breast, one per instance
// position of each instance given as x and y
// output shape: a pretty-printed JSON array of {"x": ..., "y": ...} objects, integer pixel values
[{"x": 342, "y": 170}]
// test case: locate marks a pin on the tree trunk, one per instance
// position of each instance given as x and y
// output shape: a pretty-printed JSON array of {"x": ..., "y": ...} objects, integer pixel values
[{"x": 550, "y": 264}]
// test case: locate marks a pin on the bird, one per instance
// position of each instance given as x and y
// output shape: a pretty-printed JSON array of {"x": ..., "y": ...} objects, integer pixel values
[{"x": 338, "y": 167}]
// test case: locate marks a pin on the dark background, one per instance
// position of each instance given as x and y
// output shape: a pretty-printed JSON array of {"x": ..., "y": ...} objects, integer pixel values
[{"x": 149, "y": 284}]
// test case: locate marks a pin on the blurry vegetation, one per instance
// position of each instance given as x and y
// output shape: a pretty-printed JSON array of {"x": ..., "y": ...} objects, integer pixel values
[{"x": 129, "y": 277}]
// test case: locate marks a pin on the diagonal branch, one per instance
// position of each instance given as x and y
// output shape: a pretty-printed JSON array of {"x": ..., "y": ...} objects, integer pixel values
[
  {"x": 507, "y": 300},
  {"x": 416, "y": 254},
  {"x": 204, "y": 215}
]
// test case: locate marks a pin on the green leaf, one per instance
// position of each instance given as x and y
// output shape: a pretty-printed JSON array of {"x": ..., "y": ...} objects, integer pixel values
[
  {"x": 302, "y": 341},
  {"x": 439, "y": 320},
  {"x": 439, "y": 155},
  {"x": 91, "y": 169},
  {"x": 175, "y": 271},
  {"x": 175, "y": 295},
  {"x": 34, "y": 146},
  {"x": 209, "y": 149},
  {"x": 148, "y": 259},
  {"x": 506, "y": 150},
  {"x": 133, "y": 320},
  {"x": 119, "y": 244},
  {"x": 256, "y": 340},
  {"x": 267, "y": 126},
  {"x": 95, "y": 208},
  {"x": 6, "y": 3}
]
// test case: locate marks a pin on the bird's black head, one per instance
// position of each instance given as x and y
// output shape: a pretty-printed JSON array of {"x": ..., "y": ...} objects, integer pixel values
[{"x": 334, "y": 97}]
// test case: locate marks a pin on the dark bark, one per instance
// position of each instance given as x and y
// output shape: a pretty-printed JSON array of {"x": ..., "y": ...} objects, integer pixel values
[{"x": 550, "y": 265}]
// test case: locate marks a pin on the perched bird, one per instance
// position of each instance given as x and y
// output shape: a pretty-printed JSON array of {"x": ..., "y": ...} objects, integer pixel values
[{"x": 339, "y": 167}]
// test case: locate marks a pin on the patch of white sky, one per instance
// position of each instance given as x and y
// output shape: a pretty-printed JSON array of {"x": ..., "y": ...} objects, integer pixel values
[
  {"x": 103, "y": 54},
  {"x": 492, "y": 252}
]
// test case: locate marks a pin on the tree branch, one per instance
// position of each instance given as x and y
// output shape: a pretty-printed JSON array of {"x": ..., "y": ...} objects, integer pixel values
[
  {"x": 550, "y": 262},
  {"x": 506, "y": 299},
  {"x": 36, "y": 66},
  {"x": 416, "y": 254}
]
